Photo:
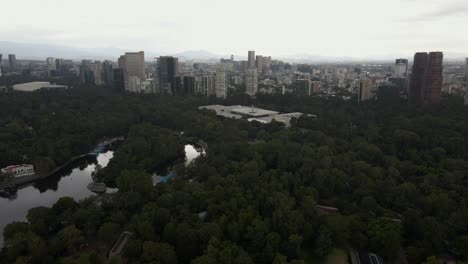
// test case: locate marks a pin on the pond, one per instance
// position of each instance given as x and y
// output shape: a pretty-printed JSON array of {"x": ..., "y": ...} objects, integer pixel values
[{"x": 72, "y": 183}]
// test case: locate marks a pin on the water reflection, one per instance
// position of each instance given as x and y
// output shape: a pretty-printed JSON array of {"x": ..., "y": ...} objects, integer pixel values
[
  {"x": 46, "y": 192},
  {"x": 167, "y": 172}
]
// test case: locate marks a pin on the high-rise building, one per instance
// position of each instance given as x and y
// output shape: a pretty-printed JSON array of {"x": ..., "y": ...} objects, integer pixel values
[
  {"x": 108, "y": 70},
  {"x": 134, "y": 64},
  {"x": 1, "y": 55},
  {"x": 50, "y": 64},
  {"x": 303, "y": 87},
  {"x": 251, "y": 82},
  {"x": 426, "y": 78},
  {"x": 167, "y": 69},
  {"x": 259, "y": 63},
  {"x": 434, "y": 78},
  {"x": 189, "y": 84},
  {"x": 418, "y": 77},
  {"x": 267, "y": 63},
  {"x": 401, "y": 67},
  {"x": 466, "y": 71},
  {"x": 251, "y": 59},
  {"x": 365, "y": 90},
  {"x": 12, "y": 62},
  {"x": 119, "y": 80},
  {"x": 98, "y": 73},
  {"x": 221, "y": 83},
  {"x": 205, "y": 85},
  {"x": 316, "y": 86},
  {"x": 133, "y": 83},
  {"x": 58, "y": 64},
  {"x": 92, "y": 72}
]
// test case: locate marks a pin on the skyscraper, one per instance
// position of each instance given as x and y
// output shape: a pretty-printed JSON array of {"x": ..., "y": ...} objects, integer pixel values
[
  {"x": 1, "y": 55},
  {"x": 251, "y": 82},
  {"x": 51, "y": 66},
  {"x": 365, "y": 90},
  {"x": 434, "y": 78},
  {"x": 251, "y": 59},
  {"x": 259, "y": 63},
  {"x": 205, "y": 85},
  {"x": 221, "y": 83},
  {"x": 12, "y": 62},
  {"x": 58, "y": 64},
  {"x": 466, "y": 80},
  {"x": 134, "y": 64},
  {"x": 107, "y": 67},
  {"x": 417, "y": 78},
  {"x": 167, "y": 69},
  {"x": 401, "y": 67},
  {"x": 426, "y": 78},
  {"x": 466, "y": 71},
  {"x": 303, "y": 87}
]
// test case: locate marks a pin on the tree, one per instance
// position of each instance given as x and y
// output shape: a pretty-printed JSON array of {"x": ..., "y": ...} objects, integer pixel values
[
  {"x": 384, "y": 237},
  {"x": 109, "y": 233},
  {"x": 159, "y": 253},
  {"x": 134, "y": 181},
  {"x": 223, "y": 253},
  {"x": 67, "y": 240}
]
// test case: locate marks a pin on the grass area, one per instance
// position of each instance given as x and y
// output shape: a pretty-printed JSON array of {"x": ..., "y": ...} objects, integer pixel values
[{"x": 337, "y": 256}]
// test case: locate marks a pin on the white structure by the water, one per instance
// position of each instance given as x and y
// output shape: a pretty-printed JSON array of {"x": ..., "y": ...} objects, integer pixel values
[{"x": 19, "y": 170}]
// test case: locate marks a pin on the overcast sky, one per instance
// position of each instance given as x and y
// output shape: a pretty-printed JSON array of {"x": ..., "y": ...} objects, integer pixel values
[{"x": 358, "y": 28}]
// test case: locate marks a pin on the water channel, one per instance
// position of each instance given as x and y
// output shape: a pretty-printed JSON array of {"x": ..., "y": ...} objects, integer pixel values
[{"x": 72, "y": 183}]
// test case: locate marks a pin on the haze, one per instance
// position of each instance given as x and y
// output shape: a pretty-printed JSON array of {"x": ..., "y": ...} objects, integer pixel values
[{"x": 361, "y": 28}]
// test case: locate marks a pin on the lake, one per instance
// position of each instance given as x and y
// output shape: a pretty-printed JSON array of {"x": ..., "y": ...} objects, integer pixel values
[{"x": 71, "y": 183}]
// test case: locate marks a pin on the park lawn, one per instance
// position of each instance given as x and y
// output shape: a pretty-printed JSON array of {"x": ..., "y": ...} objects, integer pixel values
[{"x": 337, "y": 256}]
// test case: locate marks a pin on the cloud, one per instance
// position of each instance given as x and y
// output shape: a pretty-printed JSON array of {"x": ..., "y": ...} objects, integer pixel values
[{"x": 442, "y": 11}]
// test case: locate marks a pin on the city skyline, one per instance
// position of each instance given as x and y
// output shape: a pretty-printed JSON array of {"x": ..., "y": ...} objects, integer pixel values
[{"x": 358, "y": 29}]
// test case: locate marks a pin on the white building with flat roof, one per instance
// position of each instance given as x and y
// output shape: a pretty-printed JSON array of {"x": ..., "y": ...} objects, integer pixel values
[
  {"x": 33, "y": 86},
  {"x": 254, "y": 114}
]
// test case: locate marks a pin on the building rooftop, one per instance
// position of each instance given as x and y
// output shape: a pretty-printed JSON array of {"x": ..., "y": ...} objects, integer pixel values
[
  {"x": 253, "y": 114},
  {"x": 252, "y": 111},
  {"x": 32, "y": 86}
]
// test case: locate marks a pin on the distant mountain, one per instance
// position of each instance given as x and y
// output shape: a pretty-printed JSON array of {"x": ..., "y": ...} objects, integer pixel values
[
  {"x": 199, "y": 55},
  {"x": 42, "y": 51}
]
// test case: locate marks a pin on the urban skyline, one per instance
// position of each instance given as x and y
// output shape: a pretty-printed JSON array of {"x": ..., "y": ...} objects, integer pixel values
[{"x": 383, "y": 29}]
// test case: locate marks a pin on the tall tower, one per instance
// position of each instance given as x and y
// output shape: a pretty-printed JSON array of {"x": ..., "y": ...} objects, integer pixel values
[
  {"x": 434, "y": 78},
  {"x": 466, "y": 81},
  {"x": 135, "y": 64},
  {"x": 51, "y": 66},
  {"x": 418, "y": 78},
  {"x": 401, "y": 67},
  {"x": 167, "y": 70},
  {"x": 221, "y": 83},
  {"x": 365, "y": 90},
  {"x": 251, "y": 59},
  {"x": 12, "y": 61},
  {"x": 466, "y": 72},
  {"x": 251, "y": 82},
  {"x": 259, "y": 63},
  {"x": 426, "y": 78}
]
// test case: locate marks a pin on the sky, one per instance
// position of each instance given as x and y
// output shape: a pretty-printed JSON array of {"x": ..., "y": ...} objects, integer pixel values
[{"x": 353, "y": 28}]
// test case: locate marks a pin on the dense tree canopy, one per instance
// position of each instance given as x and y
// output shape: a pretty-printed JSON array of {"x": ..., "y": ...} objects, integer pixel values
[{"x": 397, "y": 174}]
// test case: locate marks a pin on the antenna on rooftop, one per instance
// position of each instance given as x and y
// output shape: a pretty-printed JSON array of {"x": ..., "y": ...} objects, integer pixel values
[{"x": 253, "y": 109}]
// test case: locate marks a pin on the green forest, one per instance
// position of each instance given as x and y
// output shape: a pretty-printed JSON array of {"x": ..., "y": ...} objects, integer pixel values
[{"x": 397, "y": 173}]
